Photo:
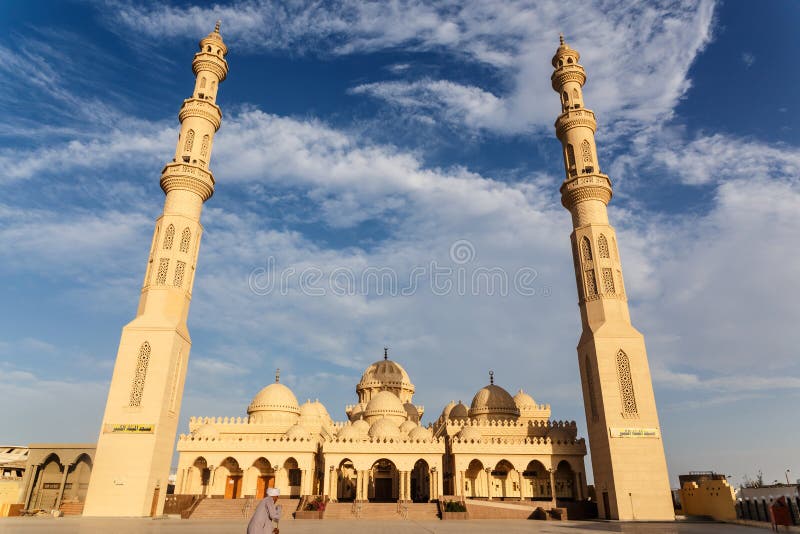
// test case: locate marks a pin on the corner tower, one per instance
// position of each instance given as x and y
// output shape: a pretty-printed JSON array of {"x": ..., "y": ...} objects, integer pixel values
[
  {"x": 630, "y": 471},
  {"x": 137, "y": 438}
]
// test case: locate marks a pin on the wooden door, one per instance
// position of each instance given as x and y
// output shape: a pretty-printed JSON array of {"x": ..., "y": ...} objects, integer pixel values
[
  {"x": 262, "y": 484},
  {"x": 233, "y": 486},
  {"x": 383, "y": 489}
]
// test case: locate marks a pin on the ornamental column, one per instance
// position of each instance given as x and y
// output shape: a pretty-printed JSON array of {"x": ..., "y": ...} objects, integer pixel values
[
  {"x": 615, "y": 375},
  {"x": 137, "y": 434}
]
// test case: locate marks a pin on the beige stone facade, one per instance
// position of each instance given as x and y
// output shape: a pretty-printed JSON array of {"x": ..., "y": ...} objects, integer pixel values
[
  {"x": 57, "y": 476},
  {"x": 501, "y": 447},
  {"x": 628, "y": 463},
  {"x": 136, "y": 440}
]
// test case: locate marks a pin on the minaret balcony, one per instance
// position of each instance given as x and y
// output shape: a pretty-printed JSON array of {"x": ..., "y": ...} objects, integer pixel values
[
  {"x": 196, "y": 107},
  {"x": 596, "y": 186},
  {"x": 211, "y": 63},
  {"x": 189, "y": 178},
  {"x": 566, "y": 74},
  {"x": 574, "y": 118}
]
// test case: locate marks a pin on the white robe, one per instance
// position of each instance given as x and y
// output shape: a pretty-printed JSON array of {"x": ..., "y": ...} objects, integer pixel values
[{"x": 266, "y": 513}]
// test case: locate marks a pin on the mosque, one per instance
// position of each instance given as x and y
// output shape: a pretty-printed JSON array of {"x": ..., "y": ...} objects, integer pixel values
[{"x": 500, "y": 447}]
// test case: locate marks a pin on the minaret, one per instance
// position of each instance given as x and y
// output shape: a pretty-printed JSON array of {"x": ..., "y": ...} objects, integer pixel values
[
  {"x": 137, "y": 438},
  {"x": 630, "y": 471}
]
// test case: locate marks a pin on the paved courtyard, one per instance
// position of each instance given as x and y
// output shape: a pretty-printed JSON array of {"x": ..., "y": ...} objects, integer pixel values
[{"x": 34, "y": 525}]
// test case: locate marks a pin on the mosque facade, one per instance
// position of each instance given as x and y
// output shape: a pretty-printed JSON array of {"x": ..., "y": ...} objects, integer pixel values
[{"x": 498, "y": 447}]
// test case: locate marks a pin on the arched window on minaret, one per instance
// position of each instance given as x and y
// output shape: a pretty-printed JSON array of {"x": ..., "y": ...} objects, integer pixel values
[
  {"x": 626, "y": 385},
  {"x": 186, "y": 236},
  {"x": 169, "y": 236},
  {"x": 576, "y": 98},
  {"x": 204, "y": 146},
  {"x": 571, "y": 160},
  {"x": 602, "y": 246},
  {"x": 187, "y": 146},
  {"x": 202, "y": 82},
  {"x": 137, "y": 387},
  {"x": 586, "y": 249}
]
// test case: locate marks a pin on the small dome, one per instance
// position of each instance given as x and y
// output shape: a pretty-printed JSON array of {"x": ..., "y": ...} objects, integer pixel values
[
  {"x": 206, "y": 431},
  {"x": 411, "y": 412},
  {"x": 384, "y": 428},
  {"x": 446, "y": 410},
  {"x": 353, "y": 431},
  {"x": 356, "y": 412},
  {"x": 298, "y": 431},
  {"x": 274, "y": 398},
  {"x": 470, "y": 433},
  {"x": 421, "y": 433},
  {"x": 385, "y": 404},
  {"x": 407, "y": 426},
  {"x": 459, "y": 411},
  {"x": 493, "y": 402},
  {"x": 523, "y": 400}
]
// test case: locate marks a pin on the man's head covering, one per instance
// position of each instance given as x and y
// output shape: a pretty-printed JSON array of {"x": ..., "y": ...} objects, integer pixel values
[{"x": 273, "y": 492}]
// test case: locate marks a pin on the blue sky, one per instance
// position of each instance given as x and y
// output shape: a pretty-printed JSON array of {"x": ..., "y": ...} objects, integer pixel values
[{"x": 364, "y": 136}]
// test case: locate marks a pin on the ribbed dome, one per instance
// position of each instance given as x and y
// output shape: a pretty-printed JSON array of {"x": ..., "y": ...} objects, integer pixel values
[
  {"x": 493, "y": 402},
  {"x": 459, "y": 411},
  {"x": 352, "y": 432},
  {"x": 385, "y": 404},
  {"x": 470, "y": 433},
  {"x": 384, "y": 428},
  {"x": 298, "y": 431},
  {"x": 421, "y": 433},
  {"x": 446, "y": 410},
  {"x": 407, "y": 426},
  {"x": 385, "y": 375},
  {"x": 274, "y": 398}
]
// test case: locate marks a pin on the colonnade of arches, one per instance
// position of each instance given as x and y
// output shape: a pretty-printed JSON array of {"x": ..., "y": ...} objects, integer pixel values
[
  {"x": 532, "y": 481},
  {"x": 383, "y": 482},
  {"x": 54, "y": 482},
  {"x": 231, "y": 480}
]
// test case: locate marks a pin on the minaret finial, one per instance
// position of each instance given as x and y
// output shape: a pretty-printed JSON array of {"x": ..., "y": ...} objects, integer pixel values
[
  {"x": 385, "y": 353},
  {"x": 277, "y": 375},
  {"x": 560, "y": 37},
  {"x": 216, "y": 26},
  {"x": 491, "y": 377}
]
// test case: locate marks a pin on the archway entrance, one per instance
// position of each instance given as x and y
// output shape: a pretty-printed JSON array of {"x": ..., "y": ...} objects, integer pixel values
[
  {"x": 421, "y": 482},
  {"x": 565, "y": 481},
  {"x": 505, "y": 481},
  {"x": 537, "y": 480},
  {"x": 346, "y": 481},
  {"x": 383, "y": 485},
  {"x": 264, "y": 475},
  {"x": 476, "y": 483},
  {"x": 229, "y": 476}
]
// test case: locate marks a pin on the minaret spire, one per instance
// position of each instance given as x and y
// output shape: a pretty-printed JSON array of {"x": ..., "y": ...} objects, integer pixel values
[
  {"x": 131, "y": 467},
  {"x": 277, "y": 375},
  {"x": 630, "y": 474}
]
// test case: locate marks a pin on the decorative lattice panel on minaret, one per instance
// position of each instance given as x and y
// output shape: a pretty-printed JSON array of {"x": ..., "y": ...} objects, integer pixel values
[
  {"x": 137, "y": 388},
  {"x": 626, "y": 384}
]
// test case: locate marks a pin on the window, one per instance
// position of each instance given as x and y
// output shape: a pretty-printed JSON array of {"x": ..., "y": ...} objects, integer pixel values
[
  {"x": 169, "y": 236},
  {"x": 591, "y": 283},
  {"x": 608, "y": 282},
  {"x": 602, "y": 246},
  {"x": 178, "y": 279},
  {"x": 137, "y": 388},
  {"x": 294, "y": 477},
  {"x": 570, "y": 158},
  {"x": 187, "y": 146},
  {"x": 202, "y": 82},
  {"x": 575, "y": 95},
  {"x": 626, "y": 384},
  {"x": 163, "y": 266},
  {"x": 204, "y": 146},
  {"x": 586, "y": 249},
  {"x": 586, "y": 152},
  {"x": 186, "y": 236}
]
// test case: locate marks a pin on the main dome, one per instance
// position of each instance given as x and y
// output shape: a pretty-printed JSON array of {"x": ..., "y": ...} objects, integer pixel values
[
  {"x": 385, "y": 375},
  {"x": 275, "y": 403},
  {"x": 493, "y": 402}
]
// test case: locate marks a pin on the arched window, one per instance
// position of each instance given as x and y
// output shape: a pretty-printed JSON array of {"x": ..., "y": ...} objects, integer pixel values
[
  {"x": 186, "y": 236},
  {"x": 137, "y": 388},
  {"x": 204, "y": 146},
  {"x": 586, "y": 249},
  {"x": 590, "y": 387},
  {"x": 591, "y": 284},
  {"x": 626, "y": 384},
  {"x": 602, "y": 246},
  {"x": 569, "y": 60},
  {"x": 202, "y": 82},
  {"x": 177, "y": 281},
  {"x": 208, "y": 48},
  {"x": 187, "y": 146},
  {"x": 163, "y": 266},
  {"x": 169, "y": 236},
  {"x": 575, "y": 95},
  {"x": 608, "y": 282},
  {"x": 571, "y": 159},
  {"x": 566, "y": 98}
]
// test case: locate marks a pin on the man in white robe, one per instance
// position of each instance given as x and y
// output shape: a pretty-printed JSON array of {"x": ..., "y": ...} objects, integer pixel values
[{"x": 267, "y": 514}]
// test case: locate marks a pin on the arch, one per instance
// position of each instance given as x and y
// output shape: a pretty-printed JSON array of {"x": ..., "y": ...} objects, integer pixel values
[
  {"x": 202, "y": 82},
  {"x": 565, "y": 481},
  {"x": 186, "y": 237},
  {"x": 292, "y": 477},
  {"x": 569, "y": 60},
  {"x": 197, "y": 477},
  {"x": 571, "y": 159},
  {"x": 602, "y": 247},
  {"x": 227, "y": 479},
  {"x": 384, "y": 481},
  {"x": 48, "y": 484},
  {"x": 537, "y": 480},
  {"x": 575, "y": 95},
  {"x": 627, "y": 395},
  {"x": 347, "y": 477},
  {"x": 505, "y": 481},
  {"x": 77, "y": 481},
  {"x": 137, "y": 387},
  {"x": 586, "y": 153},
  {"x": 476, "y": 483},
  {"x": 187, "y": 145},
  {"x": 565, "y": 98},
  {"x": 420, "y": 481},
  {"x": 208, "y": 48},
  {"x": 586, "y": 249},
  {"x": 204, "y": 146},
  {"x": 258, "y": 477},
  {"x": 169, "y": 237}
]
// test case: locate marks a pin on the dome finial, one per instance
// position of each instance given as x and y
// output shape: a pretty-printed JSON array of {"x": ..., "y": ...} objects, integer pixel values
[
  {"x": 491, "y": 377},
  {"x": 216, "y": 26},
  {"x": 561, "y": 38},
  {"x": 277, "y": 375},
  {"x": 385, "y": 353}
]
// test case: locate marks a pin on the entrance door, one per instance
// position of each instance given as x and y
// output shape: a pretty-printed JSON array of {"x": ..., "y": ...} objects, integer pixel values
[
  {"x": 154, "y": 504},
  {"x": 606, "y": 506},
  {"x": 233, "y": 486},
  {"x": 262, "y": 484},
  {"x": 383, "y": 489}
]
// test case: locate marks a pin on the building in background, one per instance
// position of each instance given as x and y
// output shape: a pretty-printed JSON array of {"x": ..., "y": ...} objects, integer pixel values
[
  {"x": 57, "y": 477},
  {"x": 12, "y": 469},
  {"x": 705, "y": 493}
]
